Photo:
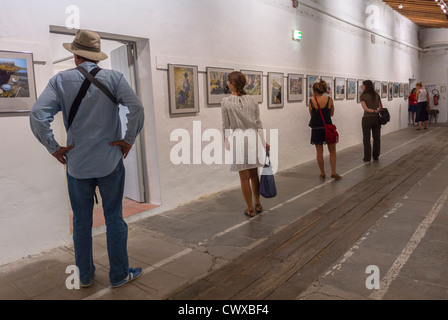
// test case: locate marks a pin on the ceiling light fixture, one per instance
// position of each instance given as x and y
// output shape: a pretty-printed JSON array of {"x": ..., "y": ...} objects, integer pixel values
[
  {"x": 400, "y": 6},
  {"x": 442, "y": 5}
]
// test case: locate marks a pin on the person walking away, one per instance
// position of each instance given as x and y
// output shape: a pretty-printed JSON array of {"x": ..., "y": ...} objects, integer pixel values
[
  {"x": 371, "y": 127},
  {"x": 94, "y": 153},
  {"x": 422, "y": 106},
  {"x": 240, "y": 113},
  {"x": 318, "y": 130}
]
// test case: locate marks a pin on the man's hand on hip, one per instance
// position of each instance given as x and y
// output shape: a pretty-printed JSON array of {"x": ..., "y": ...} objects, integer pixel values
[
  {"x": 61, "y": 154},
  {"x": 125, "y": 147}
]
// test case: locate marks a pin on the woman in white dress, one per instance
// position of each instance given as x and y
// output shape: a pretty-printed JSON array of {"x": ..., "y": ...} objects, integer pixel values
[{"x": 240, "y": 111}]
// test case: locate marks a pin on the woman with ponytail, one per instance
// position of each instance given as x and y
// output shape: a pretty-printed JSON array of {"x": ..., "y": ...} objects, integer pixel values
[
  {"x": 240, "y": 112},
  {"x": 318, "y": 130}
]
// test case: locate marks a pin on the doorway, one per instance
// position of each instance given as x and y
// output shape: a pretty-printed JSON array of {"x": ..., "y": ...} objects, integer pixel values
[{"x": 122, "y": 57}]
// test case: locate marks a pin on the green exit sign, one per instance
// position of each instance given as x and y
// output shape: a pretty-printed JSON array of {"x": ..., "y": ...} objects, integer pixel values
[{"x": 297, "y": 35}]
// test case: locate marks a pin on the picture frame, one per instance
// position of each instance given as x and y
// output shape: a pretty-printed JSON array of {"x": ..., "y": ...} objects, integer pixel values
[
  {"x": 17, "y": 82},
  {"x": 330, "y": 82},
  {"x": 310, "y": 80},
  {"x": 339, "y": 89},
  {"x": 276, "y": 88},
  {"x": 217, "y": 87},
  {"x": 183, "y": 89},
  {"x": 384, "y": 89},
  {"x": 295, "y": 87},
  {"x": 360, "y": 81},
  {"x": 401, "y": 92},
  {"x": 406, "y": 91},
  {"x": 396, "y": 89},
  {"x": 390, "y": 91},
  {"x": 351, "y": 89},
  {"x": 254, "y": 84},
  {"x": 377, "y": 85}
]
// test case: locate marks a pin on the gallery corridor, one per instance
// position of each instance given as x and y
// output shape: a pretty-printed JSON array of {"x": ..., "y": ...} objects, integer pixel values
[{"x": 379, "y": 233}]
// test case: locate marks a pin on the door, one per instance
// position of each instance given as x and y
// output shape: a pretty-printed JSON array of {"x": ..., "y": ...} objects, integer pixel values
[{"x": 122, "y": 60}]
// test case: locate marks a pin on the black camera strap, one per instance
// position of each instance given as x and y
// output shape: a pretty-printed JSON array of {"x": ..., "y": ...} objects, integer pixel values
[
  {"x": 81, "y": 94},
  {"x": 89, "y": 79}
]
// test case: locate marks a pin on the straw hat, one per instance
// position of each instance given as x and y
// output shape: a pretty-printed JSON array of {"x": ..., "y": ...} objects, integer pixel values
[{"x": 86, "y": 44}]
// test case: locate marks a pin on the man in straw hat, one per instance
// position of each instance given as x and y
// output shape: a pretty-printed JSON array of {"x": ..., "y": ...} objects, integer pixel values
[{"x": 95, "y": 150}]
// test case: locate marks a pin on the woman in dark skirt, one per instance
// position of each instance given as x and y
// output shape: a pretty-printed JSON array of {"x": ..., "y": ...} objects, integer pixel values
[
  {"x": 422, "y": 106},
  {"x": 317, "y": 127}
]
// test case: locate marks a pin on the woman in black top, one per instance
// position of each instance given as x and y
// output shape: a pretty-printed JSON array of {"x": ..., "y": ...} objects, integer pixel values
[
  {"x": 371, "y": 103},
  {"x": 318, "y": 130}
]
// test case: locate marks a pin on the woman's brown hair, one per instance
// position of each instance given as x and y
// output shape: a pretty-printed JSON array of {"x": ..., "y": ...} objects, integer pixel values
[
  {"x": 320, "y": 87},
  {"x": 239, "y": 81}
]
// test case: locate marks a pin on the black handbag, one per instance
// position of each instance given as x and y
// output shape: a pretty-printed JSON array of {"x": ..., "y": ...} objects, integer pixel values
[
  {"x": 267, "y": 181},
  {"x": 383, "y": 115}
]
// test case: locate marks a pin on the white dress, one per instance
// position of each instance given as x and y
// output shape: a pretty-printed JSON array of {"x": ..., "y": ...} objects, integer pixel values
[{"x": 242, "y": 112}]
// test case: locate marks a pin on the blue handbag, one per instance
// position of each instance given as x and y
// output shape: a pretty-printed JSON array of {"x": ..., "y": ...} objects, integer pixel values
[{"x": 267, "y": 181}]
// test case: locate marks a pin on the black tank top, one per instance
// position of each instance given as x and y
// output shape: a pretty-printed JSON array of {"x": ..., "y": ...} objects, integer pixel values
[{"x": 316, "y": 119}]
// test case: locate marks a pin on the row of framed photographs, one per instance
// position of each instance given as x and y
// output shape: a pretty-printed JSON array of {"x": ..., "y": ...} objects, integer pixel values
[
  {"x": 351, "y": 88},
  {"x": 184, "y": 91},
  {"x": 184, "y": 88}
]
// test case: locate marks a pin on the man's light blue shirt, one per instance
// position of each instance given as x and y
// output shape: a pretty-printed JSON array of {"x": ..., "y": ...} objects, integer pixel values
[{"x": 97, "y": 122}]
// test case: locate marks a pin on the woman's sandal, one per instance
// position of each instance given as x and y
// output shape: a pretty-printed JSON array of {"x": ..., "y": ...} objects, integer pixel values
[
  {"x": 258, "y": 208},
  {"x": 249, "y": 213}
]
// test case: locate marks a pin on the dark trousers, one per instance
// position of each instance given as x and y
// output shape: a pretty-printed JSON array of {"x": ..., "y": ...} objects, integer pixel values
[{"x": 371, "y": 125}]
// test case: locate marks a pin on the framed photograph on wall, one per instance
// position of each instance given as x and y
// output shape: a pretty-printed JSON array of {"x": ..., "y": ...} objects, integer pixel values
[
  {"x": 339, "y": 89},
  {"x": 406, "y": 91},
  {"x": 390, "y": 91},
  {"x": 17, "y": 82},
  {"x": 295, "y": 87},
  {"x": 310, "y": 80},
  {"x": 384, "y": 89},
  {"x": 351, "y": 89},
  {"x": 275, "y": 90},
  {"x": 254, "y": 84},
  {"x": 183, "y": 89},
  {"x": 217, "y": 87},
  {"x": 377, "y": 85},
  {"x": 401, "y": 90},
  {"x": 359, "y": 90},
  {"x": 396, "y": 89},
  {"x": 329, "y": 81}
]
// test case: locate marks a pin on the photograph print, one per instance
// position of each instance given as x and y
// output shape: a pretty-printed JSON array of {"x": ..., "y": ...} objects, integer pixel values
[
  {"x": 17, "y": 84},
  {"x": 217, "y": 87},
  {"x": 339, "y": 86},
  {"x": 359, "y": 90},
  {"x": 401, "y": 89},
  {"x": 295, "y": 87},
  {"x": 309, "y": 87},
  {"x": 254, "y": 84},
  {"x": 183, "y": 88},
  {"x": 384, "y": 89},
  {"x": 329, "y": 81},
  {"x": 275, "y": 90},
  {"x": 351, "y": 89},
  {"x": 390, "y": 91}
]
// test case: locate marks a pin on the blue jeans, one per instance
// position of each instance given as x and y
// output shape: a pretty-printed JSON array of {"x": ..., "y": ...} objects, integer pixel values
[{"x": 81, "y": 192}]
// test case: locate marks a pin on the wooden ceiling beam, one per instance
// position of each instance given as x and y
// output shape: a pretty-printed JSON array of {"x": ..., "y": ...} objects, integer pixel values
[{"x": 425, "y": 13}]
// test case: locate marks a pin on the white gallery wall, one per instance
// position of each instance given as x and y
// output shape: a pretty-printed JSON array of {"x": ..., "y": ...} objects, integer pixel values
[{"x": 238, "y": 34}]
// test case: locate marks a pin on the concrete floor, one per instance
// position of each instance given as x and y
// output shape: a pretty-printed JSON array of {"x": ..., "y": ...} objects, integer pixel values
[{"x": 317, "y": 240}]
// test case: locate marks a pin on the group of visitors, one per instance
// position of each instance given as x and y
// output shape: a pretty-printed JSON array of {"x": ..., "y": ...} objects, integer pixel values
[
  {"x": 95, "y": 146},
  {"x": 419, "y": 106}
]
